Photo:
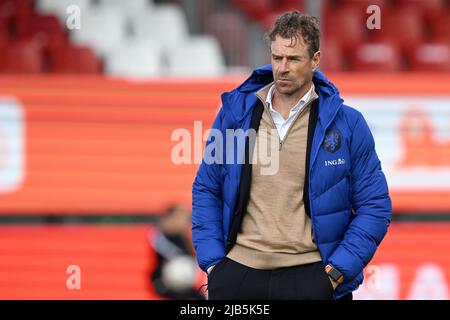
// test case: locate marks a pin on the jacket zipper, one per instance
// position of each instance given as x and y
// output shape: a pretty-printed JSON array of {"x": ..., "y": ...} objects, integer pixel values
[
  {"x": 281, "y": 141},
  {"x": 299, "y": 113}
]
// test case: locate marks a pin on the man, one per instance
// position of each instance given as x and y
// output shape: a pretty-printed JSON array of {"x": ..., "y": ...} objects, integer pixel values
[
  {"x": 173, "y": 276},
  {"x": 306, "y": 230}
]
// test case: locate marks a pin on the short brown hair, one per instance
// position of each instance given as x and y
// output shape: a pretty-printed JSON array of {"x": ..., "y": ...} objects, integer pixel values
[{"x": 294, "y": 24}]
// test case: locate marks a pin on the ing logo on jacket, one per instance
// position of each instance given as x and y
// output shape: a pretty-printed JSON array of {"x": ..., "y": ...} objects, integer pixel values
[{"x": 332, "y": 141}]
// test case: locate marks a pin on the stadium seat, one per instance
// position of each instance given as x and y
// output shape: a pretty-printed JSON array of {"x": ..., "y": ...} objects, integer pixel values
[
  {"x": 162, "y": 26},
  {"x": 424, "y": 4},
  {"x": 197, "y": 56},
  {"x": 256, "y": 10},
  {"x": 431, "y": 56},
  {"x": 47, "y": 29},
  {"x": 22, "y": 57},
  {"x": 348, "y": 24},
  {"x": 278, "y": 9},
  {"x": 4, "y": 31},
  {"x": 405, "y": 25},
  {"x": 131, "y": 8},
  {"x": 440, "y": 25},
  {"x": 16, "y": 12},
  {"x": 377, "y": 56},
  {"x": 269, "y": 19},
  {"x": 16, "y": 8},
  {"x": 38, "y": 23},
  {"x": 331, "y": 55},
  {"x": 364, "y": 3},
  {"x": 59, "y": 7},
  {"x": 287, "y": 5},
  {"x": 145, "y": 56},
  {"x": 79, "y": 59},
  {"x": 102, "y": 29},
  {"x": 232, "y": 35}
]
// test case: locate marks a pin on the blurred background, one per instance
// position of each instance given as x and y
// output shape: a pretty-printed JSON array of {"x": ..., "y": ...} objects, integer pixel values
[{"x": 92, "y": 205}]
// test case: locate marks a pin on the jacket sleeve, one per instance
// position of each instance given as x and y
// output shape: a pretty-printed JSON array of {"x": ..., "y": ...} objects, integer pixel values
[
  {"x": 207, "y": 205},
  {"x": 370, "y": 203}
]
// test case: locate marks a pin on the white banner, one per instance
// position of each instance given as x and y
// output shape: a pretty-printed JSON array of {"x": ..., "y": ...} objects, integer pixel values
[
  {"x": 412, "y": 138},
  {"x": 12, "y": 152}
]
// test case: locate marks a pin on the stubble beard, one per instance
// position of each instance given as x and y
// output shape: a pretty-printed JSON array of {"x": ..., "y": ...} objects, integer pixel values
[{"x": 291, "y": 89}]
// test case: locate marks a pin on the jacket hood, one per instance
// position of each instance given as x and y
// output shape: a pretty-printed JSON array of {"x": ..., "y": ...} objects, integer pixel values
[{"x": 242, "y": 99}]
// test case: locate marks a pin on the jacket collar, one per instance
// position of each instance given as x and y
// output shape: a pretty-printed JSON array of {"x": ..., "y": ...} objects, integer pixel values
[{"x": 242, "y": 100}]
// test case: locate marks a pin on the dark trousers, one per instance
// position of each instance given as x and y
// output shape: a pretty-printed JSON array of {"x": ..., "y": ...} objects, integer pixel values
[{"x": 230, "y": 280}]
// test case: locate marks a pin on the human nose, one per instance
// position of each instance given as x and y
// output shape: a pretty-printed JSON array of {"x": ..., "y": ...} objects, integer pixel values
[{"x": 284, "y": 66}]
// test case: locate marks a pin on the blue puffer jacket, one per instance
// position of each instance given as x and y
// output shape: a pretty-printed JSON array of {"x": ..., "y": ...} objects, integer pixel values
[{"x": 348, "y": 194}]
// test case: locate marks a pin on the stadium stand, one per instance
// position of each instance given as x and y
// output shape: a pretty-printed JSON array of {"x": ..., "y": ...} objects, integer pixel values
[
  {"x": 411, "y": 25},
  {"x": 59, "y": 8},
  {"x": 376, "y": 56},
  {"x": 404, "y": 25},
  {"x": 169, "y": 18},
  {"x": 102, "y": 28},
  {"x": 199, "y": 56},
  {"x": 255, "y": 9},
  {"x": 332, "y": 55},
  {"x": 439, "y": 24},
  {"x": 147, "y": 60},
  {"x": 232, "y": 34},
  {"x": 36, "y": 33},
  {"x": 22, "y": 57},
  {"x": 109, "y": 27},
  {"x": 129, "y": 8},
  {"x": 74, "y": 60},
  {"x": 431, "y": 56},
  {"x": 36, "y": 42}
]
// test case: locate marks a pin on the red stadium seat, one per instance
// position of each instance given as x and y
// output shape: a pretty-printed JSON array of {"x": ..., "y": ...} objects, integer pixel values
[
  {"x": 255, "y": 9},
  {"x": 16, "y": 11},
  {"x": 48, "y": 24},
  {"x": 3, "y": 31},
  {"x": 377, "y": 56},
  {"x": 68, "y": 59},
  {"x": 14, "y": 8},
  {"x": 440, "y": 25},
  {"x": 424, "y": 4},
  {"x": 267, "y": 11},
  {"x": 22, "y": 57},
  {"x": 431, "y": 56},
  {"x": 268, "y": 21},
  {"x": 405, "y": 25},
  {"x": 288, "y": 5},
  {"x": 332, "y": 57},
  {"x": 348, "y": 24},
  {"x": 47, "y": 29},
  {"x": 364, "y": 2},
  {"x": 232, "y": 35}
]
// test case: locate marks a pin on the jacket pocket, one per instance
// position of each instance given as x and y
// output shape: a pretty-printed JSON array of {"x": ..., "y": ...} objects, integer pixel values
[{"x": 216, "y": 268}]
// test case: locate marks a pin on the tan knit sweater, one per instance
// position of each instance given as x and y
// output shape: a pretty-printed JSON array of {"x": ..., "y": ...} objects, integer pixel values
[{"x": 275, "y": 231}]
